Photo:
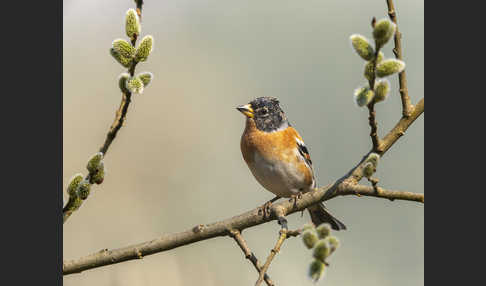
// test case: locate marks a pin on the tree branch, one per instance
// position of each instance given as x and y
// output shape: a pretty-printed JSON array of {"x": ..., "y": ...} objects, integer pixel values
[
  {"x": 224, "y": 227},
  {"x": 120, "y": 117},
  {"x": 249, "y": 255},
  {"x": 400, "y": 128},
  {"x": 407, "y": 106}
]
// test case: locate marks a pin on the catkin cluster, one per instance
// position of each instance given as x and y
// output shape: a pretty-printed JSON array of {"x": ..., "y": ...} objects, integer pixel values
[
  {"x": 79, "y": 187},
  {"x": 128, "y": 55},
  {"x": 376, "y": 65},
  {"x": 323, "y": 244}
]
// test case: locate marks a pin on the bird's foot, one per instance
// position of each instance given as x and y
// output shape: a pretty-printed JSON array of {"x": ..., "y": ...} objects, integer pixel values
[
  {"x": 295, "y": 197},
  {"x": 265, "y": 208}
]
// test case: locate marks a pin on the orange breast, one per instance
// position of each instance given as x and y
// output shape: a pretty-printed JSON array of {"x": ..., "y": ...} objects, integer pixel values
[{"x": 274, "y": 146}]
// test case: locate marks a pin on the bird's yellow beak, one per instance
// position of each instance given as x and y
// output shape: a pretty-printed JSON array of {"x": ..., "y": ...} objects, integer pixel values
[{"x": 246, "y": 110}]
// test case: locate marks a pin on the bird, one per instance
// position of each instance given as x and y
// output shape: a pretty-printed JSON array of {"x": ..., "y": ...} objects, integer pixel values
[{"x": 277, "y": 156}]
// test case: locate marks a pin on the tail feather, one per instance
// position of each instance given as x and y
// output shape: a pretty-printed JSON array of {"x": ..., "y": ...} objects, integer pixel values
[{"x": 319, "y": 215}]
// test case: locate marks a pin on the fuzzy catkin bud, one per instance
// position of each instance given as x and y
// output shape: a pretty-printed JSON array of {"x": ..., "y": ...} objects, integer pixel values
[
  {"x": 145, "y": 77},
  {"x": 323, "y": 230},
  {"x": 73, "y": 184},
  {"x": 83, "y": 190},
  {"x": 134, "y": 85},
  {"x": 321, "y": 250},
  {"x": 144, "y": 49},
  {"x": 99, "y": 177},
  {"x": 380, "y": 57},
  {"x": 389, "y": 67},
  {"x": 94, "y": 162},
  {"x": 124, "y": 48},
  {"x": 333, "y": 242},
  {"x": 309, "y": 237},
  {"x": 369, "y": 73},
  {"x": 373, "y": 158},
  {"x": 382, "y": 88},
  {"x": 368, "y": 69},
  {"x": 124, "y": 61},
  {"x": 363, "y": 96},
  {"x": 132, "y": 24},
  {"x": 316, "y": 270},
  {"x": 383, "y": 31},
  {"x": 369, "y": 169},
  {"x": 362, "y": 46},
  {"x": 307, "y": 226},
  {"x": 122, "y": 81},
  {"x": 76, "y": 202}
]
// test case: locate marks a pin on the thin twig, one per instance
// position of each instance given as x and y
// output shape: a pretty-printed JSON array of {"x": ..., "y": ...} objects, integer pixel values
[
  {"x": 236, "y": 234},
  {"x": 139, "y": 9},
  {"x": 375, "y": 139},
  {"x": 401, "y": 127},
  {"x": 120, "y": 117},
  {"x": 374, "y": 127},
  {"x": 273, "y": 252},
  {"x": 407, "y": 106},
  {"x": 284, "y": 234},
  {"x": 375, "y": 191}
]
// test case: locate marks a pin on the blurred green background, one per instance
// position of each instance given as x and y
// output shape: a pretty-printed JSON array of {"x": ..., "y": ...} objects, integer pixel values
[{"x": 177, "y": 163}]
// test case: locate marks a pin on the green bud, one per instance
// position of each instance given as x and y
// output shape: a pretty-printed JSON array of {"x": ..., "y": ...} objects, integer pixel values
[
  {"x": 389, "y": 67},
  {"x": 145, "y": 77},
  {"x": 368, "y": 70},
  {"x": 373, "y": 158},
  {"x": 362, "y": 46},
  {"x": 323, "y": 230},
  {"x": 322, "y": 250},
  {"x": 124, "y": 48},
  {"x": 73, "y": 184},
  {"x": 74, "y": 203},
  {"x": 369, "y": 169},
  {"x": 99, "y": 176},
  {"x": 316, "y": 270},
  {"x": 144, "y": 49},
  {"x": 307, "y": 226},
  {"x": 381, "y": 56},
  {"x": 94, "y": 162},
  {"x": 363, "y": 96},
  {"x": 124, "y": 61},
  {"x": 134, "y": 85},
  {"x": 309, "y": 237},
  {"x": 333, "y": 242},
  {"x": 382, "y": 88},
  {"x": 83, "y": 190},
  {"x": 132, "y": 24},
  {"x": 383, "y": 31},
  {"x": 122, "y": 81}
]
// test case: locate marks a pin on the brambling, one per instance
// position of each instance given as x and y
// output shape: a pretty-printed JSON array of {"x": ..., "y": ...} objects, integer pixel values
[{"x": 277, "y": 156}]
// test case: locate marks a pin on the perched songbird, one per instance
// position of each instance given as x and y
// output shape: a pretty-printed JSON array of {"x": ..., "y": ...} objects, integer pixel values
[{"x": 277, "y": 156}]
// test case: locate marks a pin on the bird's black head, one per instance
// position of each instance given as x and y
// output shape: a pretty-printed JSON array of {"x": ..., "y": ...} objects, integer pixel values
[{"x": 266, "y": 113}]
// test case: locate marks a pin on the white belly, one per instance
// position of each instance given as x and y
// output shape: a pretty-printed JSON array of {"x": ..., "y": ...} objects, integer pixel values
[{"x": 279, "y": 178}]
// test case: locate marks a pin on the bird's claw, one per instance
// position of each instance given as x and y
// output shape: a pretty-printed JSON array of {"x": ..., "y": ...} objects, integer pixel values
[
  {"x": 265, "y": 209},
  {"x": 295, "y": 197}
]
